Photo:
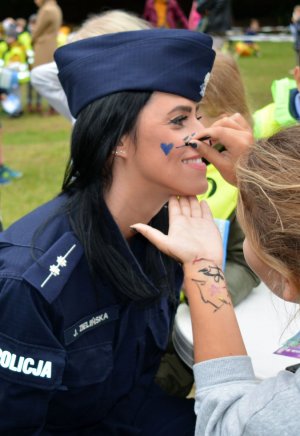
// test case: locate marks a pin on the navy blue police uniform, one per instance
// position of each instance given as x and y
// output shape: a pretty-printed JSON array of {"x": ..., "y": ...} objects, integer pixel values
[
  {"x": 83, "y": 361},
  {"x": 73, "y": 359}
]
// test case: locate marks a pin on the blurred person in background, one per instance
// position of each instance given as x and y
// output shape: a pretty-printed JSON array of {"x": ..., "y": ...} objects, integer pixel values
[
  {"x": 44, "y": 36},
  {"x": 216, "y": 19},
  {"x": 34, "y": 98},
  {"x": 295, "y": 30},
  {"x": 165, "y": 13}
]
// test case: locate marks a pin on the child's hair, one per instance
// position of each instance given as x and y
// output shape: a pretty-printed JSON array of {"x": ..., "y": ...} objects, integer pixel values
[
  {"x": 225, "y": 92},
  {"x": 110, "y": 22},
  {"x": 269, "y": 204}
]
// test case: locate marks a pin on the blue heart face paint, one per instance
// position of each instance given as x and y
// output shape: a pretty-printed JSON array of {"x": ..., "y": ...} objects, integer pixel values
[{"x": 166, "y": 148}]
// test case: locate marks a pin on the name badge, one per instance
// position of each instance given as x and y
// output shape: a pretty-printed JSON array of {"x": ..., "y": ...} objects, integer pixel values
[{"x": 88, "y": 323}]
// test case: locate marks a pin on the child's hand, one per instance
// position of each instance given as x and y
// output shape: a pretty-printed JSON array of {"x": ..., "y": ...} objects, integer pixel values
[
  {"x": 235, "y": 134},
  {"x": 192, "y": 232}
]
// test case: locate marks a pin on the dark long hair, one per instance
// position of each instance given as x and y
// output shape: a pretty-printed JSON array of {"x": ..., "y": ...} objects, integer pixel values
[{"x": 98, "y": 130}]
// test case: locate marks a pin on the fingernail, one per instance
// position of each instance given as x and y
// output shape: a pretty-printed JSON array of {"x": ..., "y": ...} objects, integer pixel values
[{"x": 193, "y": 144}]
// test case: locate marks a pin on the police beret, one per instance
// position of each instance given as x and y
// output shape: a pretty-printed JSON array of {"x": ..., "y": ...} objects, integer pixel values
[{"x": 175, "y": 61}]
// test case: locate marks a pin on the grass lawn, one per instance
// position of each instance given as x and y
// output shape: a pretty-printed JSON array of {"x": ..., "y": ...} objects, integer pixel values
[
  {"x": 39, "y": 146},
  {"x": 275, "y": 62}
]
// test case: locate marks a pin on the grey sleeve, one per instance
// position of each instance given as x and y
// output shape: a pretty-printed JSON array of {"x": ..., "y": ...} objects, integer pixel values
[{"x": 230, "y": 401}]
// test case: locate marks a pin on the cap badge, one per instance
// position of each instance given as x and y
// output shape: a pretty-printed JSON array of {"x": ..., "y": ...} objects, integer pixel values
[{"x": 204, "y": 84}]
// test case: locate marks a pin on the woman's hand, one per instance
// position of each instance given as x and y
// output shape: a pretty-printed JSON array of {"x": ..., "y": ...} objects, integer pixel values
[
  {"x": 235, "y": 134},
  {"x": 192, "y": 232}
]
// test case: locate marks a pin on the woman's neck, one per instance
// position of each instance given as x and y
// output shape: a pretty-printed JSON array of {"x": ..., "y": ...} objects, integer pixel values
[{"x": 129, "y": 207}]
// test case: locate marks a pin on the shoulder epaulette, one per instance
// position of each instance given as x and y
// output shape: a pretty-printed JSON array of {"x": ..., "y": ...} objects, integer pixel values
[{"x": 52, "y": 270}]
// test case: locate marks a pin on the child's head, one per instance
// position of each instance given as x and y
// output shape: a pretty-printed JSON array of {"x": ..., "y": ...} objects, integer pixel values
[
  {"x": 296, "y": 14},
  {"x": 21, "y": 24},
  {"x": 225, "y": 93},
  {"x": 31, "y": 22},
  {"x": 254, "y": 25},
  {"x": 110, "y": 22},
  {"x": 269, "y": 209},
  {"x": 10, "y": 30}
]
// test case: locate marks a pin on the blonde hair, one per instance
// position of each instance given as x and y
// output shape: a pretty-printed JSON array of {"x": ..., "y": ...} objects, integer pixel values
[
  {"x": 109, "y": 22},
  {"x": 269, "y": 202},
  {"x": 225, "y": 92}
]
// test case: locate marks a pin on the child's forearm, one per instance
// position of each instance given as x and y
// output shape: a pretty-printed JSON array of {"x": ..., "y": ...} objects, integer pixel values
[{"x": 215, "y": 329}]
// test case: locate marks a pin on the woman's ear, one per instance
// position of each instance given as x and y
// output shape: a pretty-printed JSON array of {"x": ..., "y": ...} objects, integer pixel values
[{"x": 122, "y": 148}]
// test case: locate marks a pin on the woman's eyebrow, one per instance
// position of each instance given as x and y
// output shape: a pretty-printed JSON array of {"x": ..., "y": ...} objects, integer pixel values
[{"x": 181, "y": 108}]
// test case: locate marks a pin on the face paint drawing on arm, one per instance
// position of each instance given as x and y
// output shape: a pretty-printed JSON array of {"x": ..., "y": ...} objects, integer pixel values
[{"x": 212, "y": 286}]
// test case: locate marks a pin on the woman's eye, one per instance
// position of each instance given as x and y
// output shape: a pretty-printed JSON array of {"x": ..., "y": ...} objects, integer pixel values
[
  {"x": 178, "y": 121},
  {"x": 198, "y": 117}
]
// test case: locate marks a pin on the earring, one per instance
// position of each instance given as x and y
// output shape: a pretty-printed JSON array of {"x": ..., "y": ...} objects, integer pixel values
[{"x": 117, "y": 152}]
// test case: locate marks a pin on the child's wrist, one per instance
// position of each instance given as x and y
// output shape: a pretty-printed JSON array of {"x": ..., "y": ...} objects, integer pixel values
[
  {"x": 199, "y": 264},
  {"x": 204, "y": 281}
]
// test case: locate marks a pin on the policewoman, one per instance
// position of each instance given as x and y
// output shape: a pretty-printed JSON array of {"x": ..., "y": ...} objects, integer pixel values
[{"x": 86, "y": 303}]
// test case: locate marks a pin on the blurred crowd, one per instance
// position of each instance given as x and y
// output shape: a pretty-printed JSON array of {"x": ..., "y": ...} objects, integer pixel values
[{"x": 25, "y": 44}]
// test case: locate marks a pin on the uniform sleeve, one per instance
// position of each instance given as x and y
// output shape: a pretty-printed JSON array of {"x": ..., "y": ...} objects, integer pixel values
[
  {"x": 32, "y": 360},
  {"x": 230, "y": 401}
]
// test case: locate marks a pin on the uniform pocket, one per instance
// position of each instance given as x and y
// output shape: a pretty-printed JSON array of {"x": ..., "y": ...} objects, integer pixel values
[{"x": 88, "y": 365}]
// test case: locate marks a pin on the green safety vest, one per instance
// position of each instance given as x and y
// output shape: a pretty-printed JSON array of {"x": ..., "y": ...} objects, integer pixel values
[
  {"x": 220, "y": 196},
  {"x": 275, "y": 116},
  {"x": 17, "y": 55},
  {"x": 3, "y": 48},
  {"x": 25, "y": 39}
]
